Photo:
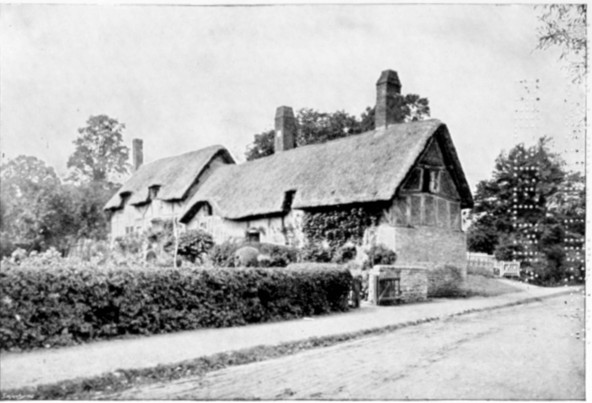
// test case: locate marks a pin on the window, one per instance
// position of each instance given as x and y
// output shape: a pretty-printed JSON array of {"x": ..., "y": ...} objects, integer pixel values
[
  {"x": 434, "y": 181},
  {"x": 153, "y": 191},
  {"x": 253, "y": 235},
  {"x": 431, "y": 180},
  {"x": 413, "y": 182}
]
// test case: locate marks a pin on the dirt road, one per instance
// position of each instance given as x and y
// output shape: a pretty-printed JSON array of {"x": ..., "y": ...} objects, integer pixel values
[{"x": 533, "y": 351}]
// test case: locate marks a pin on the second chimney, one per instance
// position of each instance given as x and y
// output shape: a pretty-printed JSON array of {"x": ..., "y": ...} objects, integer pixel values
[
  {"x": 138, "y": 153},
  {"x": 387, "y": 89},
  {"x": 285, "y": 129}
]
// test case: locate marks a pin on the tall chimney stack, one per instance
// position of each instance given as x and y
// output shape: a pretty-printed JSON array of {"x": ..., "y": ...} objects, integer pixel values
[
  {"x": 387, "y": 89},
  {"x": 138, "y": 153},
  {"x": 285, "y": 129}
]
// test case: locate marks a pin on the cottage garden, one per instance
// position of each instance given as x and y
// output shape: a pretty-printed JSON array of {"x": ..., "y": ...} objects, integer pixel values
[
  {"x": 141, "y": 286},
  {"x": 158, "y": 282}
]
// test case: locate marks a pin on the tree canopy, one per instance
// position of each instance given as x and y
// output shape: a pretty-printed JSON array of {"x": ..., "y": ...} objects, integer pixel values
[
  {"x": 35, "y": 213},
  {"x": 38, "y": 210},
  {"x": 319, "y": 127},
  {"x": 530, "y": 211},
  {"x": 564, "y": 26},
  {"x": 100, "y": 153}
]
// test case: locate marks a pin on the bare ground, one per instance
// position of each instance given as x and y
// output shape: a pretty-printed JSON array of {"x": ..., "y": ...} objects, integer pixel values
[{"x": 533, "y": 351}]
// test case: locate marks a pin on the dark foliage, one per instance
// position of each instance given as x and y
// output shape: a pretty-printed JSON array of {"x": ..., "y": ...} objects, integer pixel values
[
  {"x": 531, "y": 211},
  {"x": 318, "y": 127},
  {"x": 380, "y": 254},
  {"x": 222, "y": 255},
  {"x": 53, "y": 305},
  {"x": 340, "y": 225},
  {"x": 193, "y": 244}
]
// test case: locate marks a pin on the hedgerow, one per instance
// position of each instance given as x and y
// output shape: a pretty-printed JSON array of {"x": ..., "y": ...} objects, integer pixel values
[{"x": 68, "y": 304}]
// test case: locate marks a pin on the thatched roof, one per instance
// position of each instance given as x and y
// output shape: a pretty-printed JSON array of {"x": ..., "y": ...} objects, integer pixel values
[
  {"x": 173, "y": 175},
  {"x": 362, "y": 168}
]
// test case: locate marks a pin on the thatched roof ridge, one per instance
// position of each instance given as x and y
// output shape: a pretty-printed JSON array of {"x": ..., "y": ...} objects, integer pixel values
[
  {"x": 173, "y": 175},
  {"x": 362, "y": 168}
]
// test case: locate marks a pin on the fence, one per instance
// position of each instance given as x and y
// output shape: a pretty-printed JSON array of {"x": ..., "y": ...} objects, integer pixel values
[{"x": 484, "y": 264}]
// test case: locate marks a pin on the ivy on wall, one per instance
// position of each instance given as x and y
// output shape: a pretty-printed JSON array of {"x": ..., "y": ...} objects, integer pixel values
[{"x": 341, "y": 224}]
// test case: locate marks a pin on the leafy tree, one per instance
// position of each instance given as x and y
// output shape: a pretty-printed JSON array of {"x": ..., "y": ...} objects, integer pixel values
[
  {"x": 262, "y": 146},
  {"x": 319, "y": 127},
  {"x": 521, "y": 213},
  {"x": 100, "y": 153},
  {"x": 100, "y": 156},
  {"x": 88, "y": 201},
  {"x": 36, "y": 212},
  {"x": 564, "y": 26}
]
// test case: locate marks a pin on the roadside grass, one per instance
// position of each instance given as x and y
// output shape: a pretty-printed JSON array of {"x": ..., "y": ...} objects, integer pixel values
[
  {"x": 481, "y": 286},
  {"x": 107, "y": 386}
]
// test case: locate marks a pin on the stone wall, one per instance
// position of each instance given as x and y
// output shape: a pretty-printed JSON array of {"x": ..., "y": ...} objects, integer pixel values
[
  {"x": 432, "y": 246},
  {"x": 413, "y": 282}
]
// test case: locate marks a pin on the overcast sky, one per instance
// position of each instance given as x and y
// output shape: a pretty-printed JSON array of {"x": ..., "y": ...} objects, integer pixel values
[{"x": 183, "y": 78}]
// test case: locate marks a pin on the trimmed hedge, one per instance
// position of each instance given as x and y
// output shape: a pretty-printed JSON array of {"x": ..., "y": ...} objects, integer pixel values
[{"x": 57, "y": 306}]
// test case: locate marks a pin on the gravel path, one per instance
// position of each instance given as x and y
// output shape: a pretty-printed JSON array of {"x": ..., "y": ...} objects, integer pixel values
[{"x": 533, "y": 351}]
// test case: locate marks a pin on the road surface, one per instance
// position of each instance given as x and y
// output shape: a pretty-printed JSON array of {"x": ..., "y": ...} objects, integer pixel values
[{"x": 533, "y": 351}]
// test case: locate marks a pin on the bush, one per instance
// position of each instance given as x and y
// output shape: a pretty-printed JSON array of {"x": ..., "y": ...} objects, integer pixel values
[
  {"x": 279, "y": 255},
  {"x": 316, "y": 253},
  {"x": 380, "y": 254},
  {"x": 194, "y": 244},
  {"x": 445, "y": 282},
  {"x": 222, "y": 255},
  {"x": 66, "y": 303},
  {"x": 344, "y": 254}
]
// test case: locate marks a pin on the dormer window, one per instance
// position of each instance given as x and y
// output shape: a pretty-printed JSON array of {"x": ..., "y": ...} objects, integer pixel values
[
  {"x": 253, "y": 235},
  {"x": 153, "y": 192}
]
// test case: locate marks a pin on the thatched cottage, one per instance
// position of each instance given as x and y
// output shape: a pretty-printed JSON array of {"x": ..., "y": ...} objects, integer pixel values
[{"x": 410, "y": 169}]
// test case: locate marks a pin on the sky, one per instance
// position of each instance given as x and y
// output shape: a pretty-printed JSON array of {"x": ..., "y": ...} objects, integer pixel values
[{"x": 186, "y": 77}]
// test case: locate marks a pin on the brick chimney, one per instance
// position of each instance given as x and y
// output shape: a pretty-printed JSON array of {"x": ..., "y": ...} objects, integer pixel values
[
  {"x": 387, "y": 88},
  {"x": 138, "y": 153},
  {"x": 285, "y": 129}
]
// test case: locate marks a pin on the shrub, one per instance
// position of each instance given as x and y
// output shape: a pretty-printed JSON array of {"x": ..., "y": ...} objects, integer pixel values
[
  {"x": 130, "y": 243},
  {"x": 316, "y": 253},
  {"x": 279, "y": 255},
  {"x": 193, "y": 244},
  {"x": 380, "y": 254},
  {"x": 344, "y": 254},
  {"x": 246, "y": 256},
  {"x": 67, "y": 303},
  {"x": 445, "y": 282},
  {"x": 222, "y": 255}
]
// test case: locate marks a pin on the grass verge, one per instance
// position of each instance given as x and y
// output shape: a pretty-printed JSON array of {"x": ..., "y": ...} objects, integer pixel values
[
  {"x": 478, "y": 285},
  {"x": 106, "y": 385}
]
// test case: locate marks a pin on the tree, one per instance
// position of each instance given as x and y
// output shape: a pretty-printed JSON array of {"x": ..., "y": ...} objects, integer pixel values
[
  {"x": 100, "y": 153},
  {"x": 522, "y": 213},
  {"x": 564, "y": 26},
  {"x": 88, "y": 201},
  {"x": 36, "y": 212},
  {"x": 319, "y": 127}
]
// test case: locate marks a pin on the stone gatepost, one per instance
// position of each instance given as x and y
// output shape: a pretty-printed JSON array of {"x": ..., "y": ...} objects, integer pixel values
[{"x": 397, "y": 283}]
